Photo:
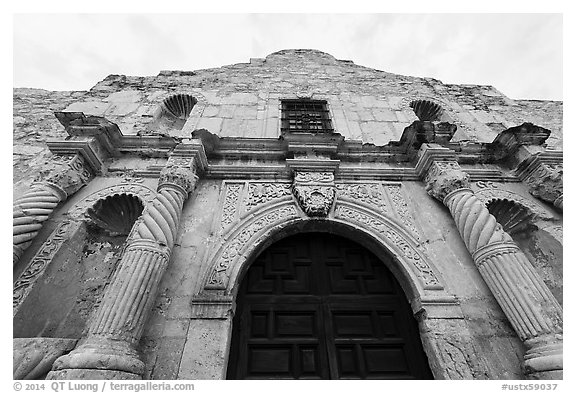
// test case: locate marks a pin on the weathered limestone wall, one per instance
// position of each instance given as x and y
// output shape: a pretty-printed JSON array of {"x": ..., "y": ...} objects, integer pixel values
[
  {"x": 176, "y": 346},
  {"x": 243, "y": 100}
]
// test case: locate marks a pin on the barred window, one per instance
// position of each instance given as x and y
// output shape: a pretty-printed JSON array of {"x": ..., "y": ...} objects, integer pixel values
[{"x": 305, "y": 116}]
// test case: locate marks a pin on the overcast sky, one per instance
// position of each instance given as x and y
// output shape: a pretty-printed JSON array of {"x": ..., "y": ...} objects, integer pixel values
[{"x": 519, "y": 54}]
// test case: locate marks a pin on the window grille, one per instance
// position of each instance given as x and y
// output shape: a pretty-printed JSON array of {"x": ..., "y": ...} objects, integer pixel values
[{"x": 305, "y": 116}]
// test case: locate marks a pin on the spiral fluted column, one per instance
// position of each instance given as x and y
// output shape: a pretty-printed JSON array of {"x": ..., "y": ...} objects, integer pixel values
[
  {"x": 109, "y": 350},
  {"x": 36, "y": 205},
  {"x": 526, "y": 301}
]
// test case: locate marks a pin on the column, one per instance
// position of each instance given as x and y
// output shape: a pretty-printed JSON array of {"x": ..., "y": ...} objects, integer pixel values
[
  {"x": 35, "y": 206},
  {"x": 526, "y": 301},
  {"x": 109, "y": 349}
]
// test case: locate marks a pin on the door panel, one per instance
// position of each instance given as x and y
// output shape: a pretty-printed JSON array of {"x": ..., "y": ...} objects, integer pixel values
[{"x": 317, "y": 306}]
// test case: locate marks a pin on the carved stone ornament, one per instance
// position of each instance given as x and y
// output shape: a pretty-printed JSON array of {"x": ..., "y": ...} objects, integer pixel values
[
  {"x": 315, "y": 192},
  {"x": 546, "y": 183},
  {"x": 444, "y": 177},
  {"x": 70, "y": 175},
  {"x": 180, "y": 172}
]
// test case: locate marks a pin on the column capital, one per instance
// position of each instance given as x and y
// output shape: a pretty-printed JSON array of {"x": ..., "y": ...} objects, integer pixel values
[
  {"x": 440, "y": 170},
  {"x": 69, "y": 175},
  {"x": 182, "y": 168}
]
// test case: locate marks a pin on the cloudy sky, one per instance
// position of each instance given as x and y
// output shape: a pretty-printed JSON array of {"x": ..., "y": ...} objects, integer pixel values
[{"x": 519, "y": 54}]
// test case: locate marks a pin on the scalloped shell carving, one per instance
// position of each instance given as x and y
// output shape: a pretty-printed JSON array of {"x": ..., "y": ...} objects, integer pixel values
[
  {"x": 513, "y": 217},
  {"x": 116, "y": 214},
  {"x": 426, "y": 110},
  {"x": 179, "y": 105}
]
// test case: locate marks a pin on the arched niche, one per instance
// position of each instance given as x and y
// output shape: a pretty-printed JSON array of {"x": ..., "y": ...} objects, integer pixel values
[
  {"x": 62, "y": 284},
  {"x": 534, "y": 228},
  {"x": 539, "y": 243}
]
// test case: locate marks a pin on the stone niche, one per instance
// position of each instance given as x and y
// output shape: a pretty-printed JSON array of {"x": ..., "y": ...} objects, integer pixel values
[{"x": 60, "y": 304}]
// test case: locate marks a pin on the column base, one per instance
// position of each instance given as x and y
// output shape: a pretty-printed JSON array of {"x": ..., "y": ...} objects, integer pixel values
[
  {"x": 544, "y": 360},
  {"x": 99, "y": 358}
]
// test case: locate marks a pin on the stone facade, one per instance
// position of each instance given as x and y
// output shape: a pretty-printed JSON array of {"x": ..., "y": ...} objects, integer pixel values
[{"x": 140, "y": 204}]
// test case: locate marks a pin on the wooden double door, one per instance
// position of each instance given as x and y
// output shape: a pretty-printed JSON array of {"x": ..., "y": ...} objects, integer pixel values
[{"x": 318, "y": 306}]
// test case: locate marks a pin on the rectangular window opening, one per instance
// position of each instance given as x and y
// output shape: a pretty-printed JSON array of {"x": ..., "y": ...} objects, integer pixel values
[{"x": 310, "y": 116}]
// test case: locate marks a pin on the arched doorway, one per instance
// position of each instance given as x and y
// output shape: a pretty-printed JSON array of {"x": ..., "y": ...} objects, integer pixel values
[{"x": 319, "y": 306}]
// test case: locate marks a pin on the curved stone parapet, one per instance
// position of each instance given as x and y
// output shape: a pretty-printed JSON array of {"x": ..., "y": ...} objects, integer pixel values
[{"x": 33, "y": 357}]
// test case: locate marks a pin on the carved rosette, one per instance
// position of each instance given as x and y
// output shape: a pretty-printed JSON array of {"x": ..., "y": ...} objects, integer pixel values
[
  {"x": 546, "y": 183},
  {"x": 31, "y": 210},
  {"x": 117, "y": 326},
  {"x": 527, "y": 302},
  {"x": 315, "y": 192}
]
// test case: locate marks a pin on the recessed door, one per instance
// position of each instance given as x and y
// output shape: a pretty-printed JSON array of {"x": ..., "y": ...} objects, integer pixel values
[{"x": 318, "y": 306}]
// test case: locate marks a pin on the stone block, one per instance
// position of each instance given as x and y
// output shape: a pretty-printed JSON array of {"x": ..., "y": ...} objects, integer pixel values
[
  {"x": 121, "y": 108},
  {"x": 212, "y": 124},
  {"x": 132, "y": 96},
  {"x": 179, "y": 307},
  {"x": 204, "y": 353},
  {"x": 245, "y": 112},
  {"x": 168, "y": 358},
  {"x": 483, "y": 117},
  {"x": 95, "y": 108},
  {"x": 210, "y": 111},
  {"x": 365, "y": 115},
  {"x": 355, "y": 130},
  {"x": 272, "y": 128},
  {"x": 384, "y": 114}
]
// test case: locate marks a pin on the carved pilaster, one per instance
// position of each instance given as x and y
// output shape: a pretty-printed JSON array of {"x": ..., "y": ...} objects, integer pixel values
[
  {"x": 315, "y": 192},
  {"x": 35, "y": 206},
  {"x": 109, "y": 350},
  {"x": 528, "y": 304}
]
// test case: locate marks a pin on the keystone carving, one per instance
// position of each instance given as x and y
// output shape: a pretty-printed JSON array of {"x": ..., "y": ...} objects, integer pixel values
[
  {"x": 35, "y": 206},
  {"x": 315, "y": 192}
]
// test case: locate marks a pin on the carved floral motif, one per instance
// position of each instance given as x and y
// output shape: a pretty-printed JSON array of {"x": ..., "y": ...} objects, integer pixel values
[
  {"x": 218, "y": 277},
  {"x": 401, "y": 207},
  {"x": 259, "y": 193},
  {"x": 38, "y": 264},
  {"x": 546, "y": 183},
  {"x": 443, "y": 177},
  {"x": 70, "y": 175},
  {"x": 315, "y": 192},
  {"x": 369, "y": 193},
  {"x": 179, "y": 171},
  {"x": 230, "y": 206},
  {"x": 422, "y": 269}
]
